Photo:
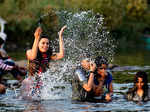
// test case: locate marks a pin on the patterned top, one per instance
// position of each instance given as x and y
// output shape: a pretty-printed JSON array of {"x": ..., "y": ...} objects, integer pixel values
[
  {"x": 133, "y": 96},
  {"x": 40, "y": 64},
  {"x": 4, "y": 66}
]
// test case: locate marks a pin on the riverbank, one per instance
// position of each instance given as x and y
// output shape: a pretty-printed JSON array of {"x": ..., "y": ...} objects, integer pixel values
[
  {"x": 22, "y": 63},
  {"x": 121, "y": 74}
]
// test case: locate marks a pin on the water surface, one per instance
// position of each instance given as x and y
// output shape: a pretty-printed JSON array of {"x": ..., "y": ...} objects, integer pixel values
[{"x": 10, "y": 103}]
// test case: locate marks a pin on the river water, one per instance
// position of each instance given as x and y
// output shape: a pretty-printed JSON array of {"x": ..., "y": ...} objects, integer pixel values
[
  {"x": 57, "y": 99},
  {"x": 10, "y": 102}
]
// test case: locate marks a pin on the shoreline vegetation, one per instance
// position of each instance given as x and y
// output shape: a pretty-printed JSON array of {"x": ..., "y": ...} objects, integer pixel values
[{"x": 127, "y": 22}]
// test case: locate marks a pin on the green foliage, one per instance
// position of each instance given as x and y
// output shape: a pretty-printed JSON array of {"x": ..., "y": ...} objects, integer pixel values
[
  {"x": 112, "y": 10},
  {"x": 19, "y": 55},
  {"x": 136, "y": 8},
  {"x": 134, "y": 21},
  {"x": 125, "y": 18},
  {"x": 22, "y": 17}
]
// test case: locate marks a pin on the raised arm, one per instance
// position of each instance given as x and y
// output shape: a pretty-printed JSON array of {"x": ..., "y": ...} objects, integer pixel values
[
  {"x": 60, "y": 55},
  {"x": 89, "y": 85},
  {"x": 32, "y": 53}
]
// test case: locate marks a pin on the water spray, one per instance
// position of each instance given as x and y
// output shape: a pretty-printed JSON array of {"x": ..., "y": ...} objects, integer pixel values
[{"x": 85, "y": 37}]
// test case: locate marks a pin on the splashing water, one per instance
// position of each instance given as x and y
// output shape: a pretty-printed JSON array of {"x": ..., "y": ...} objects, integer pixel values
[
  {"x": 85, "y": 36},
  {"x": 55, "y": 81}
]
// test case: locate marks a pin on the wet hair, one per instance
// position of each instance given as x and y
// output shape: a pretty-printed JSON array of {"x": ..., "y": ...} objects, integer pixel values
[
  {"x": 100, "y": 60},
  {"x": 44, "y": 36},
  {"x": 49, "y": 53},
  {"x": 142, "y": 75}
]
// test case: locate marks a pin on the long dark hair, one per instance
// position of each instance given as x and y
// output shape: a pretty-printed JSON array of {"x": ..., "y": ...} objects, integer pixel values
[
  {"x": 101, "y": 60},
  {"x": 142, "y": 75}
]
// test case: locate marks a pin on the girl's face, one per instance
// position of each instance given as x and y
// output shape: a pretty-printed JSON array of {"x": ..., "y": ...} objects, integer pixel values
[
  {"x": 43, "y": 45},
  {"x": 139, "y": 83},
  {"x": 102, "y": 69}
]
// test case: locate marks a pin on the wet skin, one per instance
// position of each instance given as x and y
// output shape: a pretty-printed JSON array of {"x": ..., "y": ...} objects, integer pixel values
[
  {"x": 139, "y": 85},
  {"x": 43, "y": 45}
]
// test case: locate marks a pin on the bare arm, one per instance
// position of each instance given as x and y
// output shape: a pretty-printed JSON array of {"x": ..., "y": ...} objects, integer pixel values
[
  {"x": 111, "y": 88},
  {"x": 32, "y": 53},
  {"x": 88, "y": 86},
  {"x": 108, "y": 95},
  {"x": 60, "y": 55}
]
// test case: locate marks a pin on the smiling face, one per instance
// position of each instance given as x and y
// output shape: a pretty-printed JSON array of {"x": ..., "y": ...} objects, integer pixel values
[{"x": 43, "y": 45}]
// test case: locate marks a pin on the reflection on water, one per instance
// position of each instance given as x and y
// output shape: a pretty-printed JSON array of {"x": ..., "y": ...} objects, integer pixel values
[
  {"x": 34, "y": 106},
  {"x": 131, "y": 68},
  {"x": 10, "y": 103}
]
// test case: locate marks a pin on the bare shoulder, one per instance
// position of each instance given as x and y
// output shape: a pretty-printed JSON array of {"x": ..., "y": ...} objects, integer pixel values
[{"x": 28, "y": 52}]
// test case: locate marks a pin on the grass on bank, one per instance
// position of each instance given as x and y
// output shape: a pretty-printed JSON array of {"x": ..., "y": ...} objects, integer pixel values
[
  {"x": 126, "y": 76},
  {"x": 19, "y": 55}
]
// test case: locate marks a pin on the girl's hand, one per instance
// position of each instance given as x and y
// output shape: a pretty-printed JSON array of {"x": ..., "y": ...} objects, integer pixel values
[
  {"x": 62, "y": 30},
  {"x": 92, "y": 66},
  {"x": 108, "y": 97},
  {"x": 38, "y": 32}
]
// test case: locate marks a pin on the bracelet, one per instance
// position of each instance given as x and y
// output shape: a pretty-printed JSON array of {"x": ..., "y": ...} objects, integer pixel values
[{"x": 91, "y": 72}]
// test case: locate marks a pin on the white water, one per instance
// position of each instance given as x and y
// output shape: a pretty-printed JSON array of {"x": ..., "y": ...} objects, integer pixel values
[
  {"x": 56, "y": 83},
  {"x": 11, "y": 103}
]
